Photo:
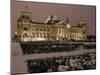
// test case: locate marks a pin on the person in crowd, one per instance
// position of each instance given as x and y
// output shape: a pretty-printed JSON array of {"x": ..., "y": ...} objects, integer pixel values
[{"x": 62, "y": 63}]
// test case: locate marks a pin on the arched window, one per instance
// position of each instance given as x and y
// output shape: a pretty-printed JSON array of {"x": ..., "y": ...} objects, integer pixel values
[
  {"x": 25, "y": 35},
  {"x": 33, "y": 35},
  {"x": 44, "y": 29},
  {"x": 25, "y": 29},
  {"x": 40, "y": 29}
]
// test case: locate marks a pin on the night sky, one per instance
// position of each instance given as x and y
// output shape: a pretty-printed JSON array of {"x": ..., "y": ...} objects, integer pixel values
[{"x": 40, "y": 11}]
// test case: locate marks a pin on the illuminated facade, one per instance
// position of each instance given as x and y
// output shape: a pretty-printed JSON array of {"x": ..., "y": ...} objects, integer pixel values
[{"x": 52, "y": 29}]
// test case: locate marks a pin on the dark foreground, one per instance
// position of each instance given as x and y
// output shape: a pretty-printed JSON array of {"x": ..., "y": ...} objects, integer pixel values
[
  {"x": 62, "y": 63},
  {"x": 72, "y": 57}
]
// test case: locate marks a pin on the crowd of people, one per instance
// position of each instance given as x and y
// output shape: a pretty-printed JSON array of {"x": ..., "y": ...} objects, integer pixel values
[
  {"x": 89, "y": 46},
  {"x": 62, "y": 63},
  {"x": 33, "y": 48},
  {"x": 46, "y": 48}
]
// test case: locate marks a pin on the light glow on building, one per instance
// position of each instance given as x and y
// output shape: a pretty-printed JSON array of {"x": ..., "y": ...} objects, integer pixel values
[{"x": 51, "y": 29}]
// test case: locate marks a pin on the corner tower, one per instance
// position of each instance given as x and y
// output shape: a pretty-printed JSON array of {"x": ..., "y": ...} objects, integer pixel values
[
  {"x": 23, "y": 25},
  {"x": 83, "y": 25}
]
